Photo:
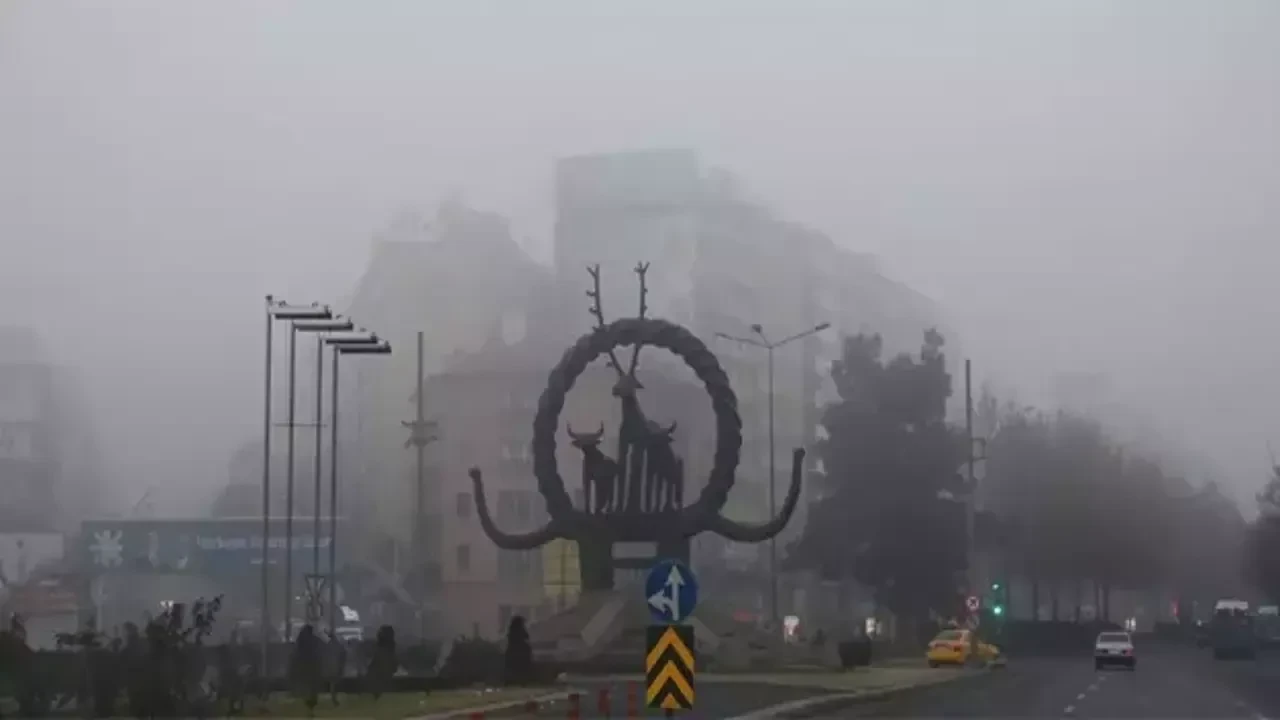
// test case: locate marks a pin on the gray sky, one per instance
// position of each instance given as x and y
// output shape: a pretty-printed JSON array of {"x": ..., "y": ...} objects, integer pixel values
[{"x": 1083, "y": 185}]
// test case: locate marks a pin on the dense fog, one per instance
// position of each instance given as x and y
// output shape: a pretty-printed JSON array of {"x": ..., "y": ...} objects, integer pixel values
[{"x": 1083, "y": 188}]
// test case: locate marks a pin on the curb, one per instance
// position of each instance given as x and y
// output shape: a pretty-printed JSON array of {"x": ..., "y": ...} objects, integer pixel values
[
  {"x": 500, "y": 707},
  {"x": 836, "y": 701}
]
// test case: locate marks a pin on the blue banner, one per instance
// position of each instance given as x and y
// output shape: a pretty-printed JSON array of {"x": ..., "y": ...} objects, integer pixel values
[{"x": 202, "y": 547}]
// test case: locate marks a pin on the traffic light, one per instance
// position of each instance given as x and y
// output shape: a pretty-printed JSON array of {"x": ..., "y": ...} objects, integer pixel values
[{"x": 997, "y": 599}]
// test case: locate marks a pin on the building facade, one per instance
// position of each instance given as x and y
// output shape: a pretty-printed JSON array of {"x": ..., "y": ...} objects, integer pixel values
[
  {"x": 459, "y": 279},
  {"x": 496, "y": 321},
  {"x": 47, "y": 453},
  {"x": 720, "y": 264}
]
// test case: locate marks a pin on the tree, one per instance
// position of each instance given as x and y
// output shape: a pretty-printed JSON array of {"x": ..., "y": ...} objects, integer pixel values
[
  {"x": 1263, "y": 544},
  {"x": 888, "y": 515},
  {"x": 1086, "y": 510}
]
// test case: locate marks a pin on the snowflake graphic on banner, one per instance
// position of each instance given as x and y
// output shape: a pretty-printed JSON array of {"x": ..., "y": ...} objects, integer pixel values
[{"x": 108, "y": 548}]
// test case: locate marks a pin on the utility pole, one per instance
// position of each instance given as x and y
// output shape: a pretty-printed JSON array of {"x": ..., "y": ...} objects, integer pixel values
[
  {"x": 421, "y": 434},
  {"x": 971, "y": 485},
  {"x": 762, "y": 341}
]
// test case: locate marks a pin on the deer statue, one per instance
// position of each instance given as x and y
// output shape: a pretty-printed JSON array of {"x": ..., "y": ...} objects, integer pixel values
[
  {"x": 598, "y": 471},
  {"x": 638, "y": 475}
]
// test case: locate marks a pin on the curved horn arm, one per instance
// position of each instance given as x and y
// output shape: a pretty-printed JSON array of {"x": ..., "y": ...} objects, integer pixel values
[
  {"x": 505, "y": 541},
  {"x": 741, "y": 532}
]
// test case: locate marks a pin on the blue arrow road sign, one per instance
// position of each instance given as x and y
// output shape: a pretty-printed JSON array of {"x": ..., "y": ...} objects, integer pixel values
[{"x": 671, "y": 591}]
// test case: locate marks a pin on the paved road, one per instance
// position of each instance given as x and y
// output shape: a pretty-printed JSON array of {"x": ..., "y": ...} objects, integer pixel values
[{"x": 1169, "y": 683}]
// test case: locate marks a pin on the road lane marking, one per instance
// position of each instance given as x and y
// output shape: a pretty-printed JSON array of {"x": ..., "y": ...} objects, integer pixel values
[
  {"x": 1093, "y": 687},
  {"x": 1069, "y": 709},
  {"x": 1080, "y": 696}
]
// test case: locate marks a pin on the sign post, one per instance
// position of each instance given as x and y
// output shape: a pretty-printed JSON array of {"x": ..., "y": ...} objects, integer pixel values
[{"x": 671, "y": 592}]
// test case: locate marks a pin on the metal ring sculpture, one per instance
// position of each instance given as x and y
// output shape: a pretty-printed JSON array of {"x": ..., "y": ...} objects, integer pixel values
[{"x": 704, "y": 515}]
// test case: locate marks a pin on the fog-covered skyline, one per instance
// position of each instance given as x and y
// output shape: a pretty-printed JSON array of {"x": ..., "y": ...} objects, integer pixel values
[{"x": 1081, "y": 186}]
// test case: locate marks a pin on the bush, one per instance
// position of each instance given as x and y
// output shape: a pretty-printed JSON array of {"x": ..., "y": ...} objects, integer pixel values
[
  {"x": 854, "y": 653},
  {"x": 474, "y": 660},
  {"x": 384, "y": 663},
  {"x": 419, "y": 658}
]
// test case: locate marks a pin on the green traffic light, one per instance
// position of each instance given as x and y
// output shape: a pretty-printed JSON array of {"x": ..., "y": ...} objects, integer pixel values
[
  {"x": 997, "y": 610},
  {"x": 995, "y": 586}
]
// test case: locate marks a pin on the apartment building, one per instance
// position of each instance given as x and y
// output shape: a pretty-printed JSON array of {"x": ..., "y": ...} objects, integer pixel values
[{"x": 47, "y": 451}]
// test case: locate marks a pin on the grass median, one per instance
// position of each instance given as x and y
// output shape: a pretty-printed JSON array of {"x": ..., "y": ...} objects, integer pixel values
[
  {"x": 394, "y": 706},
  {"x": 865, "y": 679}
]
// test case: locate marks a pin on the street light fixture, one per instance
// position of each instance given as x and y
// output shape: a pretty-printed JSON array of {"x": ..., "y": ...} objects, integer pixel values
[
  {"x": 334, "y": 323},
  {"x": 762, "y": 341},
  {"x": 276, "y": 310},
  {"x": 360, "y": 344}
]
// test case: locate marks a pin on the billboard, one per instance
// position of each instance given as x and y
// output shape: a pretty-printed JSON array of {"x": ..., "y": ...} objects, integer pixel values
[{"x": 202, "y": 547}]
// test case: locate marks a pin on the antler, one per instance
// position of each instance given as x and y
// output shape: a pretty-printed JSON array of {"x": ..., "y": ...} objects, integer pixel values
[
  {"x": 598, "y": 311},
  {"x": 740, "y": 532},
  {"x": 641, "y": 270},
  {"x": 525, "y": 541}
]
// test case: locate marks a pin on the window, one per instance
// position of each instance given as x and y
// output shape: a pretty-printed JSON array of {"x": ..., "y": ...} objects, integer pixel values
[
  {"x": 463, "y": 557},
  {"x": 15, "y": 442},
  {"x": 517, "y": 451},
  {"x": 519, "y": 567},
  {"x": 464, "y": 505},
  {"x": 515, "y": 507}
]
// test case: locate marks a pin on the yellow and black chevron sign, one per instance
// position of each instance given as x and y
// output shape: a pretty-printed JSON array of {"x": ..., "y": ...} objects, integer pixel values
[{"x": 669, "y": 668}]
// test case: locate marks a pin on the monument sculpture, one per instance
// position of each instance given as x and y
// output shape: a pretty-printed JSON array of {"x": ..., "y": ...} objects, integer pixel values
[{"x": 638, "y": 494}]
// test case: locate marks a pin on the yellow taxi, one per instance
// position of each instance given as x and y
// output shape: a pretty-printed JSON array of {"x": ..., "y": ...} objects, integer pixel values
[{"x": 960, "y": 647}]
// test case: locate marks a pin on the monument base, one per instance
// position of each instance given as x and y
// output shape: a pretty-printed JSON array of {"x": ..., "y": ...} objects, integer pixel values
[{"x": 605, "y": 633}]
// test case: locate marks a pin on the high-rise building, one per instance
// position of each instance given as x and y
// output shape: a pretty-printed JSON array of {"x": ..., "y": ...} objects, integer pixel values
[
  {"x": 47, "y": 450},
  {"x": 721, "y": 263}
]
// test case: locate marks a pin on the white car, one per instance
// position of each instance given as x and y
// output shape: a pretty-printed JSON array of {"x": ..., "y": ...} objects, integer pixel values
[{"x": 1114, "y": 648}]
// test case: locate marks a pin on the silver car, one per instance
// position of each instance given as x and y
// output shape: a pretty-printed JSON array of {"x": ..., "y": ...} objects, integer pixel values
[{"x": 1114, "y": 648}]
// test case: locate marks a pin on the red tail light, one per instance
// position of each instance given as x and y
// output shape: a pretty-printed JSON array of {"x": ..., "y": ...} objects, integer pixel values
[{"x": 1127, "y": 651}]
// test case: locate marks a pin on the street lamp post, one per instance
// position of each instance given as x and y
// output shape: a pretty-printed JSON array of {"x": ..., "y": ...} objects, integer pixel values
[
  {"x": 762, "y": 341},
  {"x": 276, "y": 310},
  {"x": 332, "y": 324},
  {"x": 362, "y": 344}
]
